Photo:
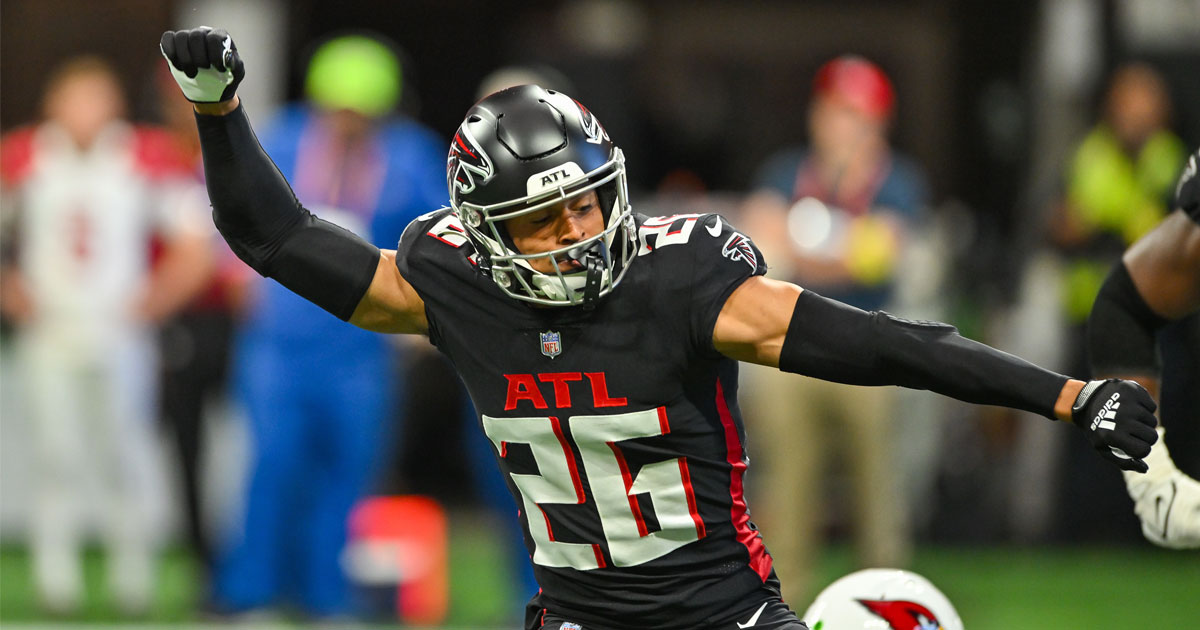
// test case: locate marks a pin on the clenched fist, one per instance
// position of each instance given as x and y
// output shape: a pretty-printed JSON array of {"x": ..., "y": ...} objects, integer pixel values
[
  {"x": 204, "y": 62},
  {"x": 1118, "y": 418}
]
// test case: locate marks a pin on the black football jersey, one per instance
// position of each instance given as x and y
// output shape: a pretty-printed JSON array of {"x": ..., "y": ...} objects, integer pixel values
[{"x": 618, "y": 428}]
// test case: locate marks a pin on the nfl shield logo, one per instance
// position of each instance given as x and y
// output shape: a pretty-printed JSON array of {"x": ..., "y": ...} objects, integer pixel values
[{"x": 551, "y": 344}]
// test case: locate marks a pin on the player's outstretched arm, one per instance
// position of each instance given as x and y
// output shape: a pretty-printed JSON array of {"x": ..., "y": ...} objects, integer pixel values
[
  {"x": 778, "y": 324},
  {"x": 258, "y": 214}
]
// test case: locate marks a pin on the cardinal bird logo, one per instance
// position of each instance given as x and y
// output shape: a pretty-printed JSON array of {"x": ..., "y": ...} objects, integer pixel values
[{"x": 903, "y": 615}]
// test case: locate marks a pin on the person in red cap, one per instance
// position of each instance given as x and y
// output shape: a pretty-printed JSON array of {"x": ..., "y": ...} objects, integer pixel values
[{"x": 836, "y": 214}]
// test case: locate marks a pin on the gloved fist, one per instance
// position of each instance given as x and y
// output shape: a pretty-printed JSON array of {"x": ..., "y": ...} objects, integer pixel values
[
  {"x": 1118, "y": 418},
  {"x": 204, "y": 62},
  {"x": 1187, "y": 191}
]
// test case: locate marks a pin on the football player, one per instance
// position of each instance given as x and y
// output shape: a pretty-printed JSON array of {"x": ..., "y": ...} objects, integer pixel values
[
  {"x": 600, "y": 347},
  {"x": 1157, "y": 280}
]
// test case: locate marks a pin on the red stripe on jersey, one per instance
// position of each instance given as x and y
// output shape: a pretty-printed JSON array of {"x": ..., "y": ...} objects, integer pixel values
[
  {"x": 628, "y": 479},
  {"x": 599, "y": 556},
  {"x": 760, "y": 562},
  {"x": 549, "y": 529},
  {"x": 562, "y": 440},
  {"x": 686, "y": 475}
]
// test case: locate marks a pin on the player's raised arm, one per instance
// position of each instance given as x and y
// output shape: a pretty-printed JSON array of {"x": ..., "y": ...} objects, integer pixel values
[
  {"x": 777, "y": 324},
  {"x": 258, "y": 214}
]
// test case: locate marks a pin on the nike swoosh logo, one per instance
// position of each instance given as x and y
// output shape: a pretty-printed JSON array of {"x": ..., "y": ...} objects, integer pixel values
[
  {"x": 715, "y": 230},
  {"x": 1165, "y": 519},
  {"x": 754, "y": 619}
]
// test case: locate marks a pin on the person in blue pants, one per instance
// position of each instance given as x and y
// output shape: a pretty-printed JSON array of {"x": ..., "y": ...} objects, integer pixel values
[{"x": 312, "y": 389}]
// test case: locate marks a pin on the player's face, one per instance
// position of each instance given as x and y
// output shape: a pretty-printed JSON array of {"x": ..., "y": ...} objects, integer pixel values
[
  {"x": 557, "y": 226},
  {"x": 839, "y": 129},
  {"x": 84, "y": 104}
]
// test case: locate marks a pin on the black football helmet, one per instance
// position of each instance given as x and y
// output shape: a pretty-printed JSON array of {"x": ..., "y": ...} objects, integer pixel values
[{"x": 525, "y": 148}]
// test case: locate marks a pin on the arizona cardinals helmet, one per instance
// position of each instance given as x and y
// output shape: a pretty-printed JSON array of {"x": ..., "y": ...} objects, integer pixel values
[
  {"x": 883, "y": 599},
  {"x": 523, "y": 149}
]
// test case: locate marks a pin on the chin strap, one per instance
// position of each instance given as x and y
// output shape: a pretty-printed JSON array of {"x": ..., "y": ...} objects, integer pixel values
[{"x": 595, "y": 259}]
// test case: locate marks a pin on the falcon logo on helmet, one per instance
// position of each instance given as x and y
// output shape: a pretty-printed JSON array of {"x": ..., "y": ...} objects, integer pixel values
[
  {"x": 591, "y": 127},
  {"x": 467, "y": 160},
  {"x": 903, "y": 615}
]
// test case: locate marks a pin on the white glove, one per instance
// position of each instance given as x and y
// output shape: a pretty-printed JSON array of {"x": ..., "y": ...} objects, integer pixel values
[
  {"x": 204, "y": 62},
  {"x": 1166, "y": 501}
]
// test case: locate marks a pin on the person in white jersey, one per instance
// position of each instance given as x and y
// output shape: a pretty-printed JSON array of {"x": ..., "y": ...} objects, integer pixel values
[{"x": 105, "y": 238}]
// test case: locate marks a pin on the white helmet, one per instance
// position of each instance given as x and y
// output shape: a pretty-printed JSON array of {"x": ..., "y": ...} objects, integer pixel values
[{"x": 884, "y": 599}]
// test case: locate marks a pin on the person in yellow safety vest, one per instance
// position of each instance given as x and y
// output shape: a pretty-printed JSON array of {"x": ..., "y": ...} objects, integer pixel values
[{"x": 1117, "y": 184}]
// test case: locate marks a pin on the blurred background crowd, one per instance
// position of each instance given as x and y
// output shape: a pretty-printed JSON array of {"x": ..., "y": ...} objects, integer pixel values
[{"x": 171, "y": 417}]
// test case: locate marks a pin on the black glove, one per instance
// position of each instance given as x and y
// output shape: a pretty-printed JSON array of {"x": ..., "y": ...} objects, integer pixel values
[
  {"x": 1118, "y": 418},
  {"x": 1187, "y": 191},
  {"x": 204, "y": 62}
]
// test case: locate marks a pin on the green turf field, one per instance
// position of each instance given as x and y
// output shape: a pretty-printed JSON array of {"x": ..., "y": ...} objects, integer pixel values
[{"x": 1045, "y": 588}]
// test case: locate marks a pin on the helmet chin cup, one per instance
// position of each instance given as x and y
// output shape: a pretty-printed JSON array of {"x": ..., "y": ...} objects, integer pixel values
[{"x": 596, "y": 260}]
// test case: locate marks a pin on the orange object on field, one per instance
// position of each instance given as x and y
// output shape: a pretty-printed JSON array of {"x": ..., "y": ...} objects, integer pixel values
[{"x": 402, "y": 541}]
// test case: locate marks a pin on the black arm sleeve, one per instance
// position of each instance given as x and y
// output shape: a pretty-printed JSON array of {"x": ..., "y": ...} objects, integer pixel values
[
  {"x": 836, "y": 342},
  {"x": 256, "y": 211},
  {"x": 1121, "y": 329}
]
